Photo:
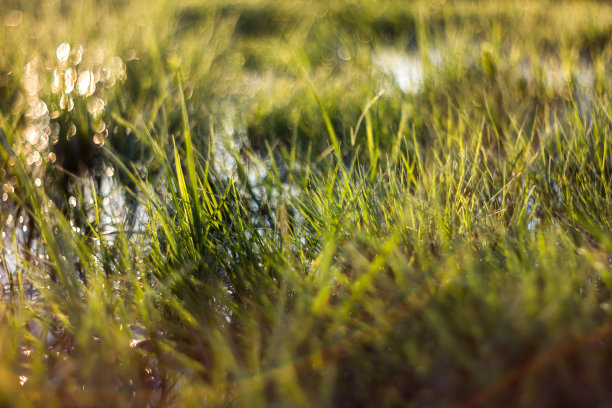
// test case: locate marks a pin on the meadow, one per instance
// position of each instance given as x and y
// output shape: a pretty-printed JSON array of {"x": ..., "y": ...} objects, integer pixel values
[{"x": 305, "y": 203}]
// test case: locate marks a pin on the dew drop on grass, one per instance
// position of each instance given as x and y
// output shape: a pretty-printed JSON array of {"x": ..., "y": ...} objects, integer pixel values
[
  {"x": 44, "y": 136},
  {"x": 22, "y": 380},
  {"x": 115, "y": 64},
  {"x": 51, "y": 157},
  {"x": 105, "y": 74},
  {"x": 69, "y": 80},
  {"x": 98, "y": 139},
  {"x": 56, "y": 84},
  {"x": 32, "y": 135},
  {"x": 95, "y": 107},
  {"x": 37, "y": 182},
  {"x": 77, "y": 55},
  {"x": 35, "y": 157},
  {"x": 72, "y": 201},
  {"x": 66, "y": 102},
  {"x": 71, "y": 131},
  {"x": 86, "y": 85},
  {"x": 38, "y": 110},
  {"x": 110, "y": 172},
  {"x": 63, "y": 52},
  {"x": 30, "y": 78},
  {"x": 345, "y": 53}
]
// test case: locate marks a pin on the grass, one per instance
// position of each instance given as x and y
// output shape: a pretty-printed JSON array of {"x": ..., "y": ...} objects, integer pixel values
[{"x": 251, "y": 210}]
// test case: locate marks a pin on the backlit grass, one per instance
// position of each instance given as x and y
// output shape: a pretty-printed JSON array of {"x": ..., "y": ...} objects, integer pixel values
[{"x": 362, "y": 203}]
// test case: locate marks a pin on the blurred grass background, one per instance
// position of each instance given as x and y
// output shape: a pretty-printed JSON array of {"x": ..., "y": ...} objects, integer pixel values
[{"x": 301, "y": 203}]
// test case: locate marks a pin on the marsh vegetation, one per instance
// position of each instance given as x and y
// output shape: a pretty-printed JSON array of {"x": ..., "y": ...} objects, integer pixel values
[{"x": 299, "y": 203}]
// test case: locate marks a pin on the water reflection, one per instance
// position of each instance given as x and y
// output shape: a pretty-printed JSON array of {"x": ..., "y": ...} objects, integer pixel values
[
  {"x": 64, "y": 128},
  {"x": 407, "y": 69}
]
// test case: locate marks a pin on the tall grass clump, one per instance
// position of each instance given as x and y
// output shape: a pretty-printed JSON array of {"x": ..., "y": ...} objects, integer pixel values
[{"x": 249, "y": 203}]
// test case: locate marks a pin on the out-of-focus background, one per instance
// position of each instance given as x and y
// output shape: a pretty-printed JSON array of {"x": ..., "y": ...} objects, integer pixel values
[
  {"x": 251, "y": 65},
  {"x": 287, "y": 203}
]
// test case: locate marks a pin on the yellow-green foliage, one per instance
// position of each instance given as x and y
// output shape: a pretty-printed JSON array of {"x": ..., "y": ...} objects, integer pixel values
[{"x": 305, "y": 203}]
